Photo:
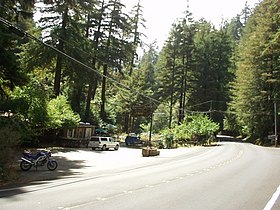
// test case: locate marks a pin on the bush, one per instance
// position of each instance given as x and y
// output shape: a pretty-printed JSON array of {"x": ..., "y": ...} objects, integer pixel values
[
  {"x": 61, "y": 114},
  {"x": 168, "y": 139},
  {"x": 196, "y": 129}
]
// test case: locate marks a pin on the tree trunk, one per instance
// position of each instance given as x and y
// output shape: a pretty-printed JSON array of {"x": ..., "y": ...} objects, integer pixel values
[
  {"x": 76, "y": 99},
  {"x": 89, "y": 95},
  {"x": 59, "y": 59},
  {"x": 103, "y": 92},
  {"x": 94, "y": 80},
  {"x": 172, "y": 92},
  {"x": 126, "y": 123},
  {"x": 105, "y": 72},
  {"x": 58, "y": 70},
  {"x": 180, "y": 117}
]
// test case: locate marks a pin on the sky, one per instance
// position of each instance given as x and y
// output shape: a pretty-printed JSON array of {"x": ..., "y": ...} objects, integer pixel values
[{"x": 161, "y": 14}]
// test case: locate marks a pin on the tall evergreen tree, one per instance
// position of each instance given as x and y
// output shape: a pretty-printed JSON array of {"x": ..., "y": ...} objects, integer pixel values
[
  {"x": 187, "y": 62},
  {"x": 136, "y": 21},
  {"x": 20, "y": 14},
  {"x": 115, "y": 23},
  {"x": 213, "y": 52},
  {"x": 60, "y": 25},
  {"x": 93, "y": 24},
  {"x": 175, "y": 66},
  {"x": 136, "y": 104},
  {"x": 257, "y": 75}
]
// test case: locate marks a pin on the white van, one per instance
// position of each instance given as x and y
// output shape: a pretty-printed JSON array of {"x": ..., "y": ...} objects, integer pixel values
[{"x": 103, "y": 143}]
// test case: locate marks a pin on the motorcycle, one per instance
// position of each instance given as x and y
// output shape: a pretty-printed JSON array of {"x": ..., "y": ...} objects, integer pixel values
[{"x": 39, "y": 159}]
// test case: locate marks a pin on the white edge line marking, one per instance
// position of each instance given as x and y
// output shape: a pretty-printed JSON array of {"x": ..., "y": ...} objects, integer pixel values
[{"x": 273, "y": 199}]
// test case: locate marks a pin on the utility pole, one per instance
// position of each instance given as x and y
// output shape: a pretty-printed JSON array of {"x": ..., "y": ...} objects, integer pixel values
[
  {"x": 151, "y": 128},
  {"x": 275, "y": 123}
]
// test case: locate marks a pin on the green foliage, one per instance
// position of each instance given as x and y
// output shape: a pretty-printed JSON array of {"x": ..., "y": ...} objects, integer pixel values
[
  {"x": 194, "y": 68},
  {"x": 197, "y": 129},
  {"x": 9, "y": 133},
  {"x": 201, "y": 125},
  {"x": 258, "y": 72},
  {"x": 192, "y": 73},
  {"x": 168, "y": 140},
  {"x": 29, "y": 103},
  {"x": 212, "y": 56},
  {"x": 11, "y": 74},
  {"x": 60, "y": 114},
  {"x": 160, "y": 118},
  {"x": 134, "y": 102},
  {"x": 35, "y": 114}
]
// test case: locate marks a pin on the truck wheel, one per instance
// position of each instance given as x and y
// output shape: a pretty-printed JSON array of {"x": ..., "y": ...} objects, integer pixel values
[
  {"x": 104, "y": 147},
  {"x": 116, "y": 147}
]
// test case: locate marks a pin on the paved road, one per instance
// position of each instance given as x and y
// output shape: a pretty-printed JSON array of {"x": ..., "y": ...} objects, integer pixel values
[{"x": 229, "y": 176}]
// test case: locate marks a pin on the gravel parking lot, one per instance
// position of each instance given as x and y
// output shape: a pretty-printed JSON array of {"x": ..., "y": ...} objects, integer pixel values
[
  {"x": 104, "y": 160},
  {"x": 83, "y": 162}
]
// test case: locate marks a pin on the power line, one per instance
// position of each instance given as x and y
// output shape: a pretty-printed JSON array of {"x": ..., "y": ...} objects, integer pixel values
[{"x": 20, "y": 32}]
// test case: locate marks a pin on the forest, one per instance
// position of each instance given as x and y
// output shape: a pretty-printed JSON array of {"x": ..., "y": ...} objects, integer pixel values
[{"x": 80, "y": 62}]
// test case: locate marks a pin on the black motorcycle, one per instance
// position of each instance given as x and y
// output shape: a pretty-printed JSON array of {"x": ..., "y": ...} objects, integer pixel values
[{"x": 41, "y": 158}]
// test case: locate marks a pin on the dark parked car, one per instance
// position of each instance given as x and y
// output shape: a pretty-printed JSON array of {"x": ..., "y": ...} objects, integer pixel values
[{"x": 133, "y": 141}]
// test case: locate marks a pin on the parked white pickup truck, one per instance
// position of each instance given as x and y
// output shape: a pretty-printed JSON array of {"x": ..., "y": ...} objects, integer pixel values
[{"x": 103, "y": 143}]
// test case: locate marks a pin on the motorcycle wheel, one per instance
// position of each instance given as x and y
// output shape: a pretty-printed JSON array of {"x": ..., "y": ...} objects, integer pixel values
[
  {"x": 25, "y": 166},
  {"x": 52, "y": 165}
]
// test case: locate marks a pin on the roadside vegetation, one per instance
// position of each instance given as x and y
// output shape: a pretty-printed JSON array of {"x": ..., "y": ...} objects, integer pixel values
[{"x": 80, "y": 62}]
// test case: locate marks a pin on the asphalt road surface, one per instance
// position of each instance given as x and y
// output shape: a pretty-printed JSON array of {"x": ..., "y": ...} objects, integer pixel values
[{"x": 227, "y": 176}]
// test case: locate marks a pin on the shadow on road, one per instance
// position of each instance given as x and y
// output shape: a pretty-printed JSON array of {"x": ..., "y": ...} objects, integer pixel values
[
  {"x": 212, "y": 145},
  {"x": 41, "y": 175}
]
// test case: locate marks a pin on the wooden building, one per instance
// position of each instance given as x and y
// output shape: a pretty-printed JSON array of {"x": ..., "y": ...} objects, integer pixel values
[{"x": 77, "y": 136}]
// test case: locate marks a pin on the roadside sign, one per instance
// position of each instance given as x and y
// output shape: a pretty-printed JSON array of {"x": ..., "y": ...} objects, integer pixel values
[{"x": 271, "y": 137}]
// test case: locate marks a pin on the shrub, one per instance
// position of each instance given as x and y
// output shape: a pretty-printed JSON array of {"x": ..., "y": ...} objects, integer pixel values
[
  {"x": 168, "y": 138},
  {"x": 60, "y": 114},
  {"x": 196, "y": 129}
]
